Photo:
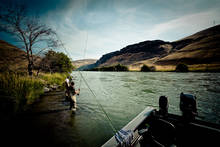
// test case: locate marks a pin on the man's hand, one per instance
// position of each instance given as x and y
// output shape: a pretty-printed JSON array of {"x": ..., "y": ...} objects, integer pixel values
[{"x": 78, "y": 91}]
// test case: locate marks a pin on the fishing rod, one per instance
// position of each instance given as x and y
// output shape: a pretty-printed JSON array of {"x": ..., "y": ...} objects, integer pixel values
[{"x": 93, "y": 93}]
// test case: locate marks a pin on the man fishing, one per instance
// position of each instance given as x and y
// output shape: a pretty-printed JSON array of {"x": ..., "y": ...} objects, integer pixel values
[
  {"x": 73, "y": 94},
  {"x": 67, "y": 84}
]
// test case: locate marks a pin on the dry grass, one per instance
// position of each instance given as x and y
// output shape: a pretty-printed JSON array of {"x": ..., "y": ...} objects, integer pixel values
[
  {"x": 159, "y": 68},
  {"x": 204, "y": 67},
  {"x": 165, "y": 67}
]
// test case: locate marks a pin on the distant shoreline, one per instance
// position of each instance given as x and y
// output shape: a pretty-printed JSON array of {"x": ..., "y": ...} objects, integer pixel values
[{"x": 162, "y": 68}]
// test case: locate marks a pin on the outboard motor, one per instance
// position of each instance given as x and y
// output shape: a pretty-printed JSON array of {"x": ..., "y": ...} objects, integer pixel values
[
  {"x": 163, "y": 105},
  {"x": 188, "y": 106}
]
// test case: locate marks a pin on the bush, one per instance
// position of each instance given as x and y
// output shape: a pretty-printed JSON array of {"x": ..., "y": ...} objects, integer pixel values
[
  {"x": 120, "y": 67},
  {"x": 117, "y": 67},
  {"x": 145, "y": 68},
  {"x": 93, "y": 69},
  {"x": 56, "y": 62},
  {"x": 152, "y": 68},
  {"x": 182, "y": 68}
]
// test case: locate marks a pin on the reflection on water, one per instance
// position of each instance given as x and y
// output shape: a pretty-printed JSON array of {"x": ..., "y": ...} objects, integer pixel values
[{"x": 123, "y": 95}]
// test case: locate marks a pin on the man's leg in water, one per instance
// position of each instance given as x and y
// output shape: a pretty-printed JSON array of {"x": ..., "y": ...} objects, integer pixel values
[{"x": 71, "y": 104}]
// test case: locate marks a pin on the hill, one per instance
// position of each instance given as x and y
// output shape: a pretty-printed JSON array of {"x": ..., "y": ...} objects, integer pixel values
[
  {"x": 12, "y": 58},
  {"x": 136, "y": 52},
  {"x": 201, "y": 51},
  {"x": 83, "y": 62},
  {"x": 200, "y": 48}
]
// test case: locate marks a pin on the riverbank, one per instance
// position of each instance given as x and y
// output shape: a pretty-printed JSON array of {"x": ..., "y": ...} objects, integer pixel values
[
  {"x": 18, "y": 92},
  {"x": 37, "y": 126}
]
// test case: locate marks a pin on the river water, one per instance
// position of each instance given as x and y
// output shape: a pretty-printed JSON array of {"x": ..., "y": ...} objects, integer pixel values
[{"x": 122, "y": 95}]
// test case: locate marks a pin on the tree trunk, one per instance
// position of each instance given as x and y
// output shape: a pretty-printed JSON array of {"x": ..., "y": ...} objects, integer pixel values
[
  {"x": 30, "y": 68},
  {"x": 38, "y": 71}
]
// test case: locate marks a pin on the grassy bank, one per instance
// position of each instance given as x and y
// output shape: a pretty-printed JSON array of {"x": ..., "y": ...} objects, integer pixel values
[
  {"x": 53, "y": 79},
  {"x": 17, "y": 91}
]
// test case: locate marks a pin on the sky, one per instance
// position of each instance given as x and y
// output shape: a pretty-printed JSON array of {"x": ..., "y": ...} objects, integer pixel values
[{"x": 92, "y": 28}]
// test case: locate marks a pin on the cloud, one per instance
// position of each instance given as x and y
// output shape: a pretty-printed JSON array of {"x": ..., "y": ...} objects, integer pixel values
[
  {"x": 112, "y": 26},
  {"x": 64, "y": 23},
  {"x": 185, "y": 25}
]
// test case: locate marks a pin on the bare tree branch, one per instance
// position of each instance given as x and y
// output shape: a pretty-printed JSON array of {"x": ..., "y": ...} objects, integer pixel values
[{"x": 28, "y": 29}]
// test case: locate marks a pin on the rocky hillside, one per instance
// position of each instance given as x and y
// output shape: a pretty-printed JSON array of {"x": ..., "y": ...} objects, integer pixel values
[
  {"x": 136, "y": 52},
  {"x": 198, "y": 49}
]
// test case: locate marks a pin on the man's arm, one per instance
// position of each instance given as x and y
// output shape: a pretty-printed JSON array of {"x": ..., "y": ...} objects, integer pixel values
[{"x": 77, "y": 91}]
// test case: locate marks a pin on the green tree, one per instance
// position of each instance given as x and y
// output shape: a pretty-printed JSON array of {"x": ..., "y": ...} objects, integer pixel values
[
  {"x": 56, "y": 62},
  {"x": 182, "y": 68},
  {"x": 64, "y": 63},
  {"x": 117, "y": 67},
  {"x": 145, "y": 68},
  {"x": 120, "y": 67}
]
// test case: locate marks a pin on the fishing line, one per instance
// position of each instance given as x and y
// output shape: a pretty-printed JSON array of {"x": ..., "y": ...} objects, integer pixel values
[
  {"x": 63, "y": 46},
  {"x": 99, "y": 104},
  {"x": 84, "y": 55},
  {"x": 82, "y": 78}
]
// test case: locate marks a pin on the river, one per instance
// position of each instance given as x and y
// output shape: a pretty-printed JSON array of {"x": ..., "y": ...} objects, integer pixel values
[{"x": 122, "y": 95}]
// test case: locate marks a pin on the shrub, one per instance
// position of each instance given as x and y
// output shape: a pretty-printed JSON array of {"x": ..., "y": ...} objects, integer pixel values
[
  {"x": 56, "y": 62},
  {"x": 145, "y": 68},
  {"x": 117, "y": 67},
  {"x": 152, "y": 68},
  {"x": 93, "y": 69},
  {"x": 121, "y": 67},
  {"x": 181, "y": 68}
]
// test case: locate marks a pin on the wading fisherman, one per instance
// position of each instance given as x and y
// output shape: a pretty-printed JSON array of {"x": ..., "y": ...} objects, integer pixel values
[
  {"x": 73, "y": 94},
  {"x": 67, "y": 84}
]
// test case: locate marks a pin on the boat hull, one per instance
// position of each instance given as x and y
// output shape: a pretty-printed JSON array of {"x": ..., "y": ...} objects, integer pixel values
[{"x": 169, "y": 129}]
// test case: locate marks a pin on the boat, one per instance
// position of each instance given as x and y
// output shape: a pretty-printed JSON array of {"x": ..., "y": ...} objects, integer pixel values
[{"x": 158, "y": 128}]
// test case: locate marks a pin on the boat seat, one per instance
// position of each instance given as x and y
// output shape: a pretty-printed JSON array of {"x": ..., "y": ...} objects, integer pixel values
[
  {"x": 163, "y": 132},
  {"x": 160, "y": 133}
]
